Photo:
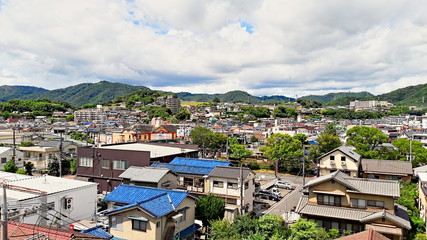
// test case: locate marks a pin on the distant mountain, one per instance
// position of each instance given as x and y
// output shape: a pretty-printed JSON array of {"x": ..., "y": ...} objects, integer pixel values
[
  {"x": 232, "y": 96},
  {"x": 88, "y": 93},
  {"x": 333, "y": 96},
  {"x": 412, "y": 95},
  {"x": 18, "y": 92}
]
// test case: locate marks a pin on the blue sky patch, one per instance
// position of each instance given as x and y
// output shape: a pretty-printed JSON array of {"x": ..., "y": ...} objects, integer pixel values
[{"x": 249, "y": 28}]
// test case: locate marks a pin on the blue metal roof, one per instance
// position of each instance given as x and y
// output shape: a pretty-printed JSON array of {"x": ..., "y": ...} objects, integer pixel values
[
  {"x": 198, "y": 162},
  {"x": 184, "y": 169},
  {"x": 158, "y": 206},
  {"x": 132, "y": 194},
  {"x": 97, "y": 231},
  {"x": 188, "y": 231}
]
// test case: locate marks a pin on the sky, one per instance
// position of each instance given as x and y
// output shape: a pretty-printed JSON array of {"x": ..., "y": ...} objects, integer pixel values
[{"x": 264, "y": 47}]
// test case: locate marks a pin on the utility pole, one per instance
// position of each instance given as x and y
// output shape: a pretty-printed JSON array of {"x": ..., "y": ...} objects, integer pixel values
[
  {"x": 60, "y": 154},
  {"x": 14, "y": 145},
  {"x": 4, "y": 214},
  {"x": 303, "y": 170},
  {"x": 241, "y": 188}
]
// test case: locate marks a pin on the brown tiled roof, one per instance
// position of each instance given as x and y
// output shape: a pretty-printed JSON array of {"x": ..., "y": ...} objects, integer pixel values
[
  {"x": 369, "y": 234},
  {"x": 391, "y": 167},
  {"x": 229, "y": 172}
]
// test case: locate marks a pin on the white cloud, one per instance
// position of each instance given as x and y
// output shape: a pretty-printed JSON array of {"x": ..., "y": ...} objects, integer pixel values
[{"x": 296, "y": 47}]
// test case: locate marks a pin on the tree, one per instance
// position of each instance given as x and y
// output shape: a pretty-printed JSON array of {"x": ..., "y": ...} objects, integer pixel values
[
  {"x": 26, "y": 144},
  {"x": 216, "y": 100},
  {"x": 209, "y": 208},
  {"x": 29, "y": 166},
  {"x": 206, "y": 139},
  {"x": 253, "y": 139},
  {"x": 330, "y": 129},
  {"x": 10, "y": 166},
  {"x": 73, "y": 166},
  {"x": 239, "y": 152},
  {"x": 223, "y": 230},
  {"x": 325, "y": 143},
  {"x": 69, "y": 118},
  {"x": 285, "y": 149},
  {"x": 304, "y": 229},
  {"x": 21, "y": 171},
  {"x": 183, "y": 114},
  {"x": 284, "y": 112},
  {"x": 365, "y": 139},
  {"x": 408, "y": 199},
  {"x": 403, "y": 146}
]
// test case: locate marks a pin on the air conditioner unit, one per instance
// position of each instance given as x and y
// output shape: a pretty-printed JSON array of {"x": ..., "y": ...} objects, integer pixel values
[
  {"x": 333, "y": 162},
  {"x": 343, "y": 163}
]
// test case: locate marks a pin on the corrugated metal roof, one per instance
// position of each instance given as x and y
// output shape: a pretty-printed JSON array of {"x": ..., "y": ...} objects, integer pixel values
[
  {"x": 229, "y": 172},
  {"x": 184, "y": 169},
  {"x": 97, "y": 231},
  {"x": 158, "y": 206},
  {"x": 131, "y": 194},
  {"x": 386, "y": 166},
  {"x": 198, "y": 162},
  {"x": 144, "y": 174}
]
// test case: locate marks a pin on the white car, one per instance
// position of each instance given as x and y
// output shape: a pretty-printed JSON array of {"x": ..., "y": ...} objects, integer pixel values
[{"x": 284, "y": 184}]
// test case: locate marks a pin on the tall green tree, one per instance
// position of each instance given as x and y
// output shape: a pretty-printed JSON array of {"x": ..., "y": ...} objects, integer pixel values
[
  {"x": 304, "y": 229},
  {"x": 239, "y": 152},
  {"x": 365, "y": 139},
  {"x": 325, "y": 143},
  {"x": 331, "y": 129},
  {"x": 283, "y": 148},
  {"x": 404, "y": 148},
  {"x": 285, "y": 112},
  {"x": 210, "y": 208},
  {"x": 208, "y": 140}
]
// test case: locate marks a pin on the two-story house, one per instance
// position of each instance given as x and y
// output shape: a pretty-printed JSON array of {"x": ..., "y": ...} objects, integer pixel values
[
  {"x": 338, "y": 201},
  {"x": 225, "y": 182},
  {"x": 151, "y": 213},
  {"x": 191, "y": 172},
  {"x": 342, "y": 158},
  {"x": 150, "y": 177}
]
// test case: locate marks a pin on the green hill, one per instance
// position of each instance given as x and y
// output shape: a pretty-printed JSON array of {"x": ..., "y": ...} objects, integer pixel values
[
  {"x": 408, "y": 96},
  {"x": 333, "y": 96},
  {"x": 88, "y": 93},
  {"x": 18, "y": 92},
  {"x": 232, "y": 96}
]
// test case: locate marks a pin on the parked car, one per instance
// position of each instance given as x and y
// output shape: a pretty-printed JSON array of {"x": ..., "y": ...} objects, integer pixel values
[
  {"x": 284, "y": 184},
  {"x": 267, "y": 194}
]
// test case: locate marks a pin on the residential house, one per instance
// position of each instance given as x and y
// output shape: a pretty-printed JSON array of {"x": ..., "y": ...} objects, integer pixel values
[
  {"x": 338, "y": 201},
  {"x": 386, "y": 169},
  {"x": 422, "y": 195},
  {"x": 342, "y": 158},
  {"x": 22, "y": 231},
  {"x": 224, "y": 181},
  {"x": 6, "y": 153},
  {"x": 49, "y": 200},
  {"x": 150, "y": 177},
  {"x": 369, "y": 234},
  {"x": 151, "y": 213},
  {"x": 104, "y": 164},
  {"x": 192, "y": 172},
  {"x": 146, "y": 133}
]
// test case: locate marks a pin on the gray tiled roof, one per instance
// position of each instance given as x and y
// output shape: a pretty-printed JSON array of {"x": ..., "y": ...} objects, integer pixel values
[
  {"x": 144, "y": 174},
  {"x": 229, "y": 172},
  {"x": 387, "y": 215},
  {"x": 346, "y": 150},
  {"x": 401, "y": 218},
  {"x": 391, "y": 167},
  {"x": 376, "y": 186},
  {"x": 331, "y": 211},
  {"x": 360, "y": 185}
]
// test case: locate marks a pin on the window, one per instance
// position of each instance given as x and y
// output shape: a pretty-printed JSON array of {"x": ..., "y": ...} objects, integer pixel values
[
  {"x": 373, "y": 203},
  {"x": 232, "y": 201},
  {"x": 246, "y": 185},
  {"x": 331, "y": 157},
  {"x": 329, "y": 200},
  {"x": 139, "y": 225},
  {"x": 120, "y": 164},
  {"x": 86, "y": 162},
  {"x": 188, "y": 181},
  {"x": 3, "y": 160},
  {"x": 116, "y": 222},
  {"x": 218, "y": 184},
  {"x": 358, "y": 203},
  {"x": 343, "y": 158},
  {"x": 232, "y": 185},
  {"x": 106, "y": 163},
  {"x": 157, "y": 224}
]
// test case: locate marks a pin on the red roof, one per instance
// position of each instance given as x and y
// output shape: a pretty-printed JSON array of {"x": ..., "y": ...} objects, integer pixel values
[{"x": 365, "y": 235}]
